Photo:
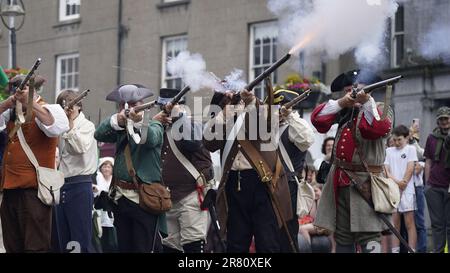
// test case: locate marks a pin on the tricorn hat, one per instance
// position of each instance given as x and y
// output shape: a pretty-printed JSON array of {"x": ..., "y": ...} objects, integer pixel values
[
  {"x": 16, "y": 80},
  {"x": 166, "y": 95},
  {"x": 351, "y": 77},
  {"x": 129, "y": 93},
  {"x": 283, "y": 96}
]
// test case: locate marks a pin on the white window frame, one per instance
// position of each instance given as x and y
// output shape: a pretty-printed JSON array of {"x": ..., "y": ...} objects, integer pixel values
[
  {"x": 181, "y": 39},
  {"x": 272, "y": 26},
  {"x": 63, "y": 9},
  {"x": 170, "y": 1},
  {"x": 59, "y": 60},
  {"x": 394, "y": 38}
]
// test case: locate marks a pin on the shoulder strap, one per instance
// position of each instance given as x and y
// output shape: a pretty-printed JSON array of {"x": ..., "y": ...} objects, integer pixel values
[
  {"x": 183, "y": 160},
  {"x": 26, "y": 148},
  {"x": 129, "y": 163},
  {"x": 231, "y": 138}
]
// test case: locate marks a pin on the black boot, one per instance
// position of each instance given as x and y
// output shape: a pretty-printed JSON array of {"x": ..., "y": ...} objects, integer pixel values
[{"x": 194, "y": 247}]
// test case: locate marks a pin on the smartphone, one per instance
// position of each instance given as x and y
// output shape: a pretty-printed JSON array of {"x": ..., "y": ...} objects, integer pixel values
[{"x": 415, "y": 122}]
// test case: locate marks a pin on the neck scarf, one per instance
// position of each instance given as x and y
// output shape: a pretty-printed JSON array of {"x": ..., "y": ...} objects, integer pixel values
[{"x": 440, "y": 143}]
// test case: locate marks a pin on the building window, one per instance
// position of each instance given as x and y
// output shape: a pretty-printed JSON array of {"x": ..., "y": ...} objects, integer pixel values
[
  {"x": 171, "y": 46},
  {"x": 263, "y": 52},
  {"x": 69, "y": 9},
  {"x": 398, "y": 37},
  {"x": 67, "y": 72}
]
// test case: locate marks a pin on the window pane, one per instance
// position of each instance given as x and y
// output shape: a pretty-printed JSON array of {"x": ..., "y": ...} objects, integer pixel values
[
  {"x": 274, "y": 53},
  {"x": 75, "y": 81},
  {"x": 69, "y": 65},
  {"x": 63, "y": 82},
  {"x": 266, "y": 54},
  {"x": 399, "y": 19},
  {"x": 76, "y": 65},
  {"x": 257, "y": 55},
  {"x": 63, "y": 66},
  {"x": 399, "y": 49},
  {"x": 69, "y": 81}
]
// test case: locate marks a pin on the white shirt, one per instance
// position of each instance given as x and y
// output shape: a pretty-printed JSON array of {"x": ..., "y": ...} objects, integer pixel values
[
  {"x": 397, "y": 160},
  {"x": 59, "y": 126},
  {"x": 78, "y": 149}
]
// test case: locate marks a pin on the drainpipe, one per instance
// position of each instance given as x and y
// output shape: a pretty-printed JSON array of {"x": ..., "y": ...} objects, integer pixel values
[{"x": 120, "y": 33}]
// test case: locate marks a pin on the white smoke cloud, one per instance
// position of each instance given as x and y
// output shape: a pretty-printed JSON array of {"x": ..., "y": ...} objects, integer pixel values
[
  {"x": 192, "y": 69},
  {"x": 435, "y": 43},
  {"x": 335, "y": 26}
]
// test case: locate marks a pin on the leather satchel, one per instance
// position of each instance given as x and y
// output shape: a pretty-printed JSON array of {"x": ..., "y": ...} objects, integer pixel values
[
  {"x": 49, "y": 180},
  {"x": 155, "y": 197},
  {"x": 385, "y": 194}
]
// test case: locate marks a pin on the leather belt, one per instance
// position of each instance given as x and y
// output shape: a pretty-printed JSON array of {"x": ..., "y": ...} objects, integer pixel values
[
  {"x": 126, "y": 185},
  {"x": 356, "y": 167}
]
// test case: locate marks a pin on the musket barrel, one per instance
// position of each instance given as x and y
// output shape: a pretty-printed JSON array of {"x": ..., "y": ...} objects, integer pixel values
[
  {"x": 78, "y": 98},
  {"x": 28, "y": 76},
  {"x": 298, "y": 99},
  {"x": 178, "y": 97},
  {"x": 144, "y": 106},
  {"x": 267, "y": 72},
  {"x": 371, "y": 87}
]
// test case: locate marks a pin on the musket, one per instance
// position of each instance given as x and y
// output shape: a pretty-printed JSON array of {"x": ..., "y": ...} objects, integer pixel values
[
  {"x": 209, "y": 203},
  {"x": 28, "y": 76},
  {"x": 297, "y": 100},
  {"x": 177, "y": 98},
  {"x": 261, "y": 77},
  {"x": 141, "y": 107},
  {"x": 369, "y": 88},
  {"x": 77, "y": 99},
  {"x": 267, "y": 72}
]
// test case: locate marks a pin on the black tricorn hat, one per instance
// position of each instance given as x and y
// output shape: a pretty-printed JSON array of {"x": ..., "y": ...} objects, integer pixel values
[
  {"x": 167, "y": 94},
  {"x": 16, "y": 80},
  {"x": 129, "y": 93},
  {"x": 283, "y": 96},
  {"x": 351, "y": 77}
]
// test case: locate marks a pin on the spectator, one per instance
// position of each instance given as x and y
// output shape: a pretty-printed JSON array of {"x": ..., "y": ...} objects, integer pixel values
[
  {"x": 419, "y": 213},
  {"x": 325, "y": 162},
  {"x": 108, "y": 237},
  {"x": 437, "y": 173},
  {"x": 399, "y": 165}
]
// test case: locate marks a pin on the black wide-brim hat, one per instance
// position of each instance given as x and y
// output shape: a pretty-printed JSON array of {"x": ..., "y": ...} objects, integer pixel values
[
  {"x": 129, "y": 93},
  {"x": 167, "y": 94},
  {"x": 351, "y": 77},
  {"x": 16, "y": 80}
]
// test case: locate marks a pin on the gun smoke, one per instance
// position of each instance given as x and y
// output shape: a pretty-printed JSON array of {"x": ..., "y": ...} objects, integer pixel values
[{"x": 336, "y": 26}]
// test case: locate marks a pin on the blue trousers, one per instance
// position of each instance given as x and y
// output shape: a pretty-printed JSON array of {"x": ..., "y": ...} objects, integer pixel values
[
  {"x": 419, "y": 218},
  {"x": 72, "y": 224}
]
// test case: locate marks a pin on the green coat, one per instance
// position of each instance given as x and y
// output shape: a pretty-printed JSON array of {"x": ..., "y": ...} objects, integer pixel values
[{"x": 146, "y": 157}]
